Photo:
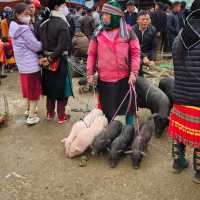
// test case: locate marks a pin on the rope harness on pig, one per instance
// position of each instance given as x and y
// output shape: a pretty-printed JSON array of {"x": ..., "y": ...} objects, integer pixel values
[{"x": 147, "y": 94}]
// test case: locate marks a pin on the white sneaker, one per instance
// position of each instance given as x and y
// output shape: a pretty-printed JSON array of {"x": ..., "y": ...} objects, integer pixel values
[
  {"x": 26, "y": 113},
  {"x": 32, "y": 120}
]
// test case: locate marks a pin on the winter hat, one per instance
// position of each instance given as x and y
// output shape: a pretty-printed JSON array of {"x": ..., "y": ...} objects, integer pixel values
[
  {"x": 113, "y": 8},
  {"x": 7, "y": 12},
  {"x": 53, "y": 3},
  {"x": 37, "y": 4},
  {"x": 195, "y": 5}
]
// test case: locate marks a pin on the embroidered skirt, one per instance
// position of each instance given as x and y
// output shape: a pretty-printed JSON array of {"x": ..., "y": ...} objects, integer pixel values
[{"x": 185, "y": 124}]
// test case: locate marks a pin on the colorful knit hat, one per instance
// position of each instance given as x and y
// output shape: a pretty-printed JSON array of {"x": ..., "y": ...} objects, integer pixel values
[{"x": 113, "y": 8}]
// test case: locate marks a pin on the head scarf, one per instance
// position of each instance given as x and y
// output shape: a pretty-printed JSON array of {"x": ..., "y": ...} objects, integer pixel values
[{"x": 117, "y": 18}]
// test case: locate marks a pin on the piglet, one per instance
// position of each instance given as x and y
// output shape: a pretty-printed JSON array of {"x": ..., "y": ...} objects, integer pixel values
[
  {"x": 90, "y": 117},
  {"x": 84, "y": 123},
  {"x": 121, "y": 144},
  {"x": 86, "y": 136},
  {"x": 104, "y": 140},
  {"x": 141, "y": 141},
  {"x": 73, "y": 134}
]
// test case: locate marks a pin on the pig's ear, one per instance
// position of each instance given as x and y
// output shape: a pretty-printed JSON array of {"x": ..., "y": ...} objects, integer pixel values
[
  {"x": 142, "y": 153},
  {"x": 128, "y": 152}
]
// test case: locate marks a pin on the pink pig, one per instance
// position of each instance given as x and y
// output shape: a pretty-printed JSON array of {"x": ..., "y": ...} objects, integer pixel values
[
  {"x": 73, "y": 134},
  {"x": 86, "y": 136},
  {"x": 80, "y": 125}
]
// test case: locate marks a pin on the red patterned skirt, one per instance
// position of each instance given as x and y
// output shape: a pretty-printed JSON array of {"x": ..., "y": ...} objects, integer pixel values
[
  {"x": 31, "y": 86},
  {"x": 185, "y": 124}
]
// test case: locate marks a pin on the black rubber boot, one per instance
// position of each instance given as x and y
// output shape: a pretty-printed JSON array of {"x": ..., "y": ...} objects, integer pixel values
[
  {"x": 196, "y": 165},
  {"x": 178, "y": 152}
]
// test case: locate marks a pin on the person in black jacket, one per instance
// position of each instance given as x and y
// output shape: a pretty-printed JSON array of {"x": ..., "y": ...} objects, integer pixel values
[
  {"x": 173, "y": 23},
  {"x": 184, "y": 125},
  {"x": 146, "y": 34},
  {"x": 159, "y": 21},
  {"x": 130, "y": 14},
  {"x": 88, "y": 24},
  {"x": 55, "y": 36}
]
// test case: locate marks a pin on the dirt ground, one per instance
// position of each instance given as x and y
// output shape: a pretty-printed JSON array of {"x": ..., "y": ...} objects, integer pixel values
[{"x": 33, "y": 165}]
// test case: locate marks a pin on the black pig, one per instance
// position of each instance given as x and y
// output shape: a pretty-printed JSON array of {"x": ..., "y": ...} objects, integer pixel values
[
  {"x": 141, "y": 141},
  {"x": 105, "y": 138},
  {"x": 120, "y": 144},
  {"x": 151, "y": 97}
]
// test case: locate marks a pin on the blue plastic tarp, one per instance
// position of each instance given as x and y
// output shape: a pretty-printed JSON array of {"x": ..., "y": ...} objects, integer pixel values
[{"x": 79, "y": 2}]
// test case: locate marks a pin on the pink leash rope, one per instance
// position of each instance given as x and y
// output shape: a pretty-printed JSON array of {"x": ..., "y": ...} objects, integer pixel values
[
  {"x": 136, "y": 108},
  {"x": 120, "y": 105},
  {"x": 131, "y": 91}
]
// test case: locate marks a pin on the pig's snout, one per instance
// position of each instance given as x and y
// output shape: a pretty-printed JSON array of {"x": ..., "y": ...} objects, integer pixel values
[
  {"x": 113, "y": 160},
  {"x": 136, "y": 160}
]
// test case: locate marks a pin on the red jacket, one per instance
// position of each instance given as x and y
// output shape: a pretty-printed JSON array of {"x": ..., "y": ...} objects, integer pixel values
[{"x": 110, "y": 56}]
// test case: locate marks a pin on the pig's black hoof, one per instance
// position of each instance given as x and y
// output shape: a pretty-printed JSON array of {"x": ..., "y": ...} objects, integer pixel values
[
  {"x": 112, "y": 164},
  {"x": 135, "y": 167}
]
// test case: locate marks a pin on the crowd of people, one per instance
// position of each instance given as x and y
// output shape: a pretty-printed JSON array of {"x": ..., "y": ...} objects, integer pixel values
[{"x": 116, "y": 43}]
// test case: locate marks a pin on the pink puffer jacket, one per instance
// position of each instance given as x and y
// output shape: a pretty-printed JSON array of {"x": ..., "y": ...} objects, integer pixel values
[{"x": 112, "y": 56}]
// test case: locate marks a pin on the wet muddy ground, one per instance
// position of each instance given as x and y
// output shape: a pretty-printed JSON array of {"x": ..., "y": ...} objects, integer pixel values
[{"x": 33, "y": 165}]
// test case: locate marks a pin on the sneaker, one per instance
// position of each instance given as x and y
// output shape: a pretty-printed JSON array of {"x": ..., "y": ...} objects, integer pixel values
[
  {"x": 63, "y": 119},
  {"x": 32, "y": 120},
  {"x": 50, "y": 116},
  {"x": 179, "y": 166},
  {"x": 26, "y": 113},
  {"x": 196, "y": 178}
]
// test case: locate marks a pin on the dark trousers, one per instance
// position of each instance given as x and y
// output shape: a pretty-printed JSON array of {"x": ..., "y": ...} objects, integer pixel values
[
  {"x": 60, "y": 106},
  {"x": 171, "y": 39}
]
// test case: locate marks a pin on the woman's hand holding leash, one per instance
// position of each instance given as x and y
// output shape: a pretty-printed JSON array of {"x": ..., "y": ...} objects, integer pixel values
[
  {"x": 90, "y": 80},
  {"x": 132, "y": 78}
]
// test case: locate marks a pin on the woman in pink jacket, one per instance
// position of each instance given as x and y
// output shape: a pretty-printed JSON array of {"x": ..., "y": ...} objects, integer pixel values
[{"x": 114, "y": 52}]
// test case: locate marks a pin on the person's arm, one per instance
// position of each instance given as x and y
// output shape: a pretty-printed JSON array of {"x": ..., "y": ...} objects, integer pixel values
[
  {"x": 170, "y": 24},
  {"x": 31, "y": 41},
  {"x": 92, "y": 57},
  {"x": 134, "y": 53},
  {"x": 93, "y": 24},
  {"x": 154, "y": 39},
  {"x": 82, "y": 25}
]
